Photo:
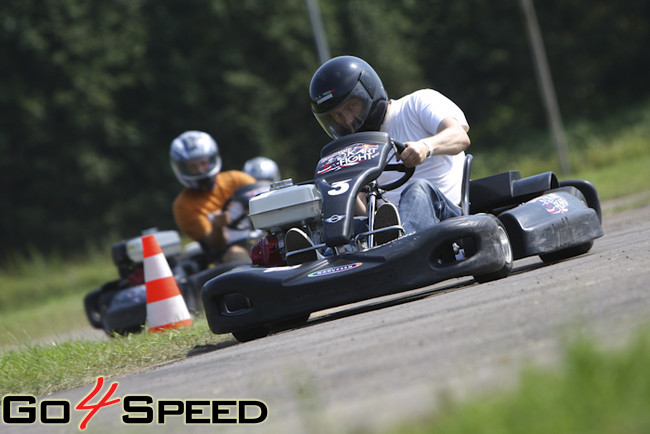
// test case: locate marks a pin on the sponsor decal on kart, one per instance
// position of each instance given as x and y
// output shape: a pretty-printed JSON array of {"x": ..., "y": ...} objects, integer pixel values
[
  {"x": 339, "y": 269},
  {"x": 348, "y": 156},
  {"x": 334, "y": 218},
  {"x": 553, "y": 203}
]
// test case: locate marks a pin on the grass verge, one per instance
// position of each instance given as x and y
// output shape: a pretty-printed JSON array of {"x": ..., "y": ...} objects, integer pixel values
[
  {"x": 595, "y": 391},
  {"x": 56, "y": 319},
  {"x": 30, "y": 280},
  {"x": 42, "y": 369}
]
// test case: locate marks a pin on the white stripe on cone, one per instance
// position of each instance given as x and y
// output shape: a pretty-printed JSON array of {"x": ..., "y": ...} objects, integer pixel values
[
  {"x": 167, "y": 311},
  {"x": 156, "y": 267}
]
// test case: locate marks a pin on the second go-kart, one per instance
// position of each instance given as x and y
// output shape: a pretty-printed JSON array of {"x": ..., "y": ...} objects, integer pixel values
[{"x": 510, "y": 218}]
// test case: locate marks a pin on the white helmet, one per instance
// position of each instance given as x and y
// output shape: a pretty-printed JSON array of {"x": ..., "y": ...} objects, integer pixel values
[
  {"x": 195, "y": 159},
  {"x": 262, "y": 169}
]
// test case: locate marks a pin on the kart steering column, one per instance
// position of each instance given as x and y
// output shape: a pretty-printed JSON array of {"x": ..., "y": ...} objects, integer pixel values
[{"x": 371, "y": 196}]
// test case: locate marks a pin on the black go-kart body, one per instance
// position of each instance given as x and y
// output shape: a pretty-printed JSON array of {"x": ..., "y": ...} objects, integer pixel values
[
  {"x": 504, "y": 218},
  {"x": 120, "y": 306}
]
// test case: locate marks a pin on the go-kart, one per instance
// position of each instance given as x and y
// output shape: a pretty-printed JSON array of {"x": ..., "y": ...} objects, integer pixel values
[
  {"x": 504, "y": 217},
  {"x": 119, "y": 306}
]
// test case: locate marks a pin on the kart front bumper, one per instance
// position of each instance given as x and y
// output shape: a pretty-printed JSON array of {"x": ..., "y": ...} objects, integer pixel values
[{"x": 261, "y": 296}]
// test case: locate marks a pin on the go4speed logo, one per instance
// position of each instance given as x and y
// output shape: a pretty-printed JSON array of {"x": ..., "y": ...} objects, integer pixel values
[{"x": 137, "y": 409}]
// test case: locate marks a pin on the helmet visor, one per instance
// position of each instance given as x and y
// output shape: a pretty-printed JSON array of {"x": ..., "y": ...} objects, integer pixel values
[
  {"x": 198, "y": 168},
  {"x": 348, "y": 116}
]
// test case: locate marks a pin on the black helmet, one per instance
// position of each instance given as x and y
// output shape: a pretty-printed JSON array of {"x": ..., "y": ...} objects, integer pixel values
[{"x": 338, "y": 81}]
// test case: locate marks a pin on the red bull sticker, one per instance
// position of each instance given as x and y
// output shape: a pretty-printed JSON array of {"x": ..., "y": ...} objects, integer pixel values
[
  {"x": 348, "y": 156},
  {"x": 333, "y": 270},
  {"x": 554, "y": 203}
]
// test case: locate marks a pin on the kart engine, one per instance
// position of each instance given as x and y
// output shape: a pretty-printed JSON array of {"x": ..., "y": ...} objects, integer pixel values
[
  {"x": 127, "y": 254},
  {"x": 284, "y": 206}
]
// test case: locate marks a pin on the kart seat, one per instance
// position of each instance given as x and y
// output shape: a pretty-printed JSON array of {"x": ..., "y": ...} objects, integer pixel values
[
  {"x": 505, "y": 190},
  {"x": 464, "y": 189}
]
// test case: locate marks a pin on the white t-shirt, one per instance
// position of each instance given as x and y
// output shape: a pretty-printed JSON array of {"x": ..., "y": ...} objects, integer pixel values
[{"x": 414, "y": 117}]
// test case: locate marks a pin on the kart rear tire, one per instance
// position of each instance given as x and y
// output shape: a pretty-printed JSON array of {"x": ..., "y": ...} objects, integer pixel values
[
  {"x": 570, "y": 251},
  {"x": 251, "y": 334},
  {"x": 507, "y": 253},
  {"x": 566, "y": 253}
]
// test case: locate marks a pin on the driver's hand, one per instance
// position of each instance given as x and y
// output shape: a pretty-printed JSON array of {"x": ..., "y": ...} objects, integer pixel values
[
  {"x": 414, "y": 154},
  {"x": 220, "y": 219}
]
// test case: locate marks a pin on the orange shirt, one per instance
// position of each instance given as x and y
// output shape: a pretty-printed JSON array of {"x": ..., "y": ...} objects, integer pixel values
[{"x": 193, "y": 209}]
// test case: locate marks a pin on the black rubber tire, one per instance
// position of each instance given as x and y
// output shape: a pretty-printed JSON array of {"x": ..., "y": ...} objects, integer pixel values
[
  {"x": 94, "y": 302},
  {"x": 263, "y": 331},
  {"x": 571, "y": 251},
  {"x": 91, "y": 305},
  {"x": 251, "y": 334},
  {"x": 507, "y": 266},
  {"x": 567, "y": 253},
  {"x": 291, "y": 323},
  {"x": 125, "y": 332}
]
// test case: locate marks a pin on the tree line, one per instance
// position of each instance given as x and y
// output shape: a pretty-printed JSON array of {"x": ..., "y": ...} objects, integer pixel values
[{"x": 92, "y": 93}]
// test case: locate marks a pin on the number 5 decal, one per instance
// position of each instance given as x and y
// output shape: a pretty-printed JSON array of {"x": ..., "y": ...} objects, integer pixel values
[{"x": 340, "y": 187}]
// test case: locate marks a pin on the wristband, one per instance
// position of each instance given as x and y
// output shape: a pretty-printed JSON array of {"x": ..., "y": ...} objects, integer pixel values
[{"x": 430, "y": 148}]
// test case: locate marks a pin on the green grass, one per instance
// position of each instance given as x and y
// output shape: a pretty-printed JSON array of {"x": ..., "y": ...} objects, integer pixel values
[
  {"x": 28, "y": 281},
  {"x": 45, "y": 368},
  {"x": 595, "y": 391},
  {"x": 53, "y": 318}
]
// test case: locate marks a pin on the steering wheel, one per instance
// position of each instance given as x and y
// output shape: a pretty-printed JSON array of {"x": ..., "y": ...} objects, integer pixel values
[
  {"x": 234, "y": 224},
  {"x": 398, "y": 167}
]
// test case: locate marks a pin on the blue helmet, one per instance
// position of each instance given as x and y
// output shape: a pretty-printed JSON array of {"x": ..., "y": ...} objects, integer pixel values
[{"x": 195, "y": 160}]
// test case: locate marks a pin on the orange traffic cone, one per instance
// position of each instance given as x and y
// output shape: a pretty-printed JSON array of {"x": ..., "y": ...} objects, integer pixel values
[{"x": 165, "y": 305}]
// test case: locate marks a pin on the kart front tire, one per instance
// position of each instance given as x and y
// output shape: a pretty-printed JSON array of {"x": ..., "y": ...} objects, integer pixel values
[
  {"x": 91, "y": 306},
  {"x": 506, "y": 248},
  {"x": 291, "y": 323},
  {"x": 95, "y": 301},
  {"x": 251, "y": 334},
  {"x": 263, "y": 331}
]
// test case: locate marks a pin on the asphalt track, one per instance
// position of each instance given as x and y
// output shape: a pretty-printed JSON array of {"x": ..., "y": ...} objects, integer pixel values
[{"x": 373, "y": 364}]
